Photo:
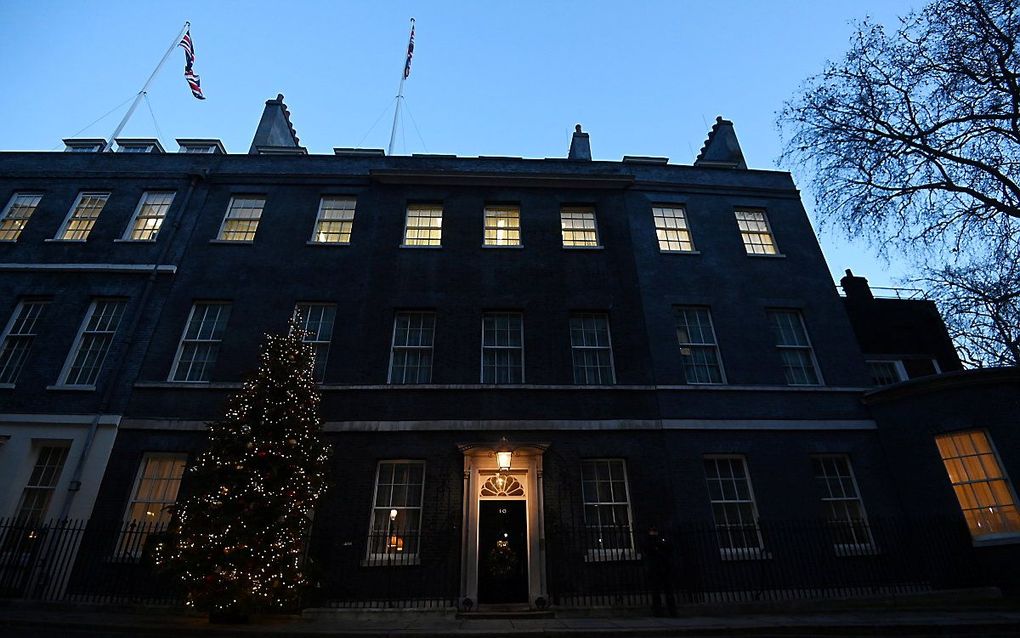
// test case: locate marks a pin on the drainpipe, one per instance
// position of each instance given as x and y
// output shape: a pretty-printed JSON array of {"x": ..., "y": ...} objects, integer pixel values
[{"x": 79, "y": 468}]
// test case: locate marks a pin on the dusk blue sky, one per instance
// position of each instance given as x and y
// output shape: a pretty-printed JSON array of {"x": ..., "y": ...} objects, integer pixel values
[{"x": 511, "y": 78}]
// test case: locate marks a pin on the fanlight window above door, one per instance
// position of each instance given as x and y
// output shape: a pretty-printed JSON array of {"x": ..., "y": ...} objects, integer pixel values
[{"x": 502, "y": 485}]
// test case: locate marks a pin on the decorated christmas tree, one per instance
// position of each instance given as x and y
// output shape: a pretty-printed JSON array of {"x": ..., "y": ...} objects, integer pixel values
[{"x": 242, "y": 534}]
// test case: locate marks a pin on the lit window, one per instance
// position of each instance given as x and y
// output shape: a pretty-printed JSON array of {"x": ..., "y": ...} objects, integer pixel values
[
  {"x": 798, "y": 357},
  {"x": 17, "y": 339},
  {"x": 200, "y": 343},
  {"x": 35, "y": 499},
  {"x": 698, "y": 350},
  {"x": 395, "y": 529},
  {"x": 671, "y": 229},
  {"x": 83, "y": 216},
  {"x": 335, "y": 221},
  {"x": 317, "y": 322},
  {"x": 754, "y": 230},
  {"x": 841, "y": 501},
  {"x": 982, "y": 487},
  {"x": 591, "y": 349},
  {"x": 502, "y": 226},
  {"x": 242, "y": 218},
  {"x": 19, "y": 210},
  {"x": 887, "y": 372},
  {"x": 606, "y": 509},
  {"x": 502, "y": 348},
  {"x": 94, "y": 339},
  {"x": 733, "y": 508},
  {"x": 411, "y": 358},
  {"x": 578, "y": 227},
  {"x": 155, "y": 492},
  {"x": 149, "y": 216},
  {"x": 424, "y": 225}
]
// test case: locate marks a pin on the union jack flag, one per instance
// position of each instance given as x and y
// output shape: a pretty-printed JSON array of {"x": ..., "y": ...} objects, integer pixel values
[
  {"x": 194, "y": 81},
  {"x": 410, "y": 52}
]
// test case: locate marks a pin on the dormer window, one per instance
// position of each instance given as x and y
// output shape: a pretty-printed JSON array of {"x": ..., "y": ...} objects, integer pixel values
[
  {"x": 204, "y": 146},
  {"x": 91, "y": 145},
  {"x": 198, "y": 148},
  {"x": 144, "y": 145},
  {"x": 140, "y": 148}
]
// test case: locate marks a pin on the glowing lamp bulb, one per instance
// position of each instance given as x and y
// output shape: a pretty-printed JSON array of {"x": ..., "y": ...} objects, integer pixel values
[{"x": 503, "y": 460}]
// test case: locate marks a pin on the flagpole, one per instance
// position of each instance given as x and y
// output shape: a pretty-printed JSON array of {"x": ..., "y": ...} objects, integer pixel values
[
  {"x": 400, "y": 96},
  {"x": 145, "y": 88}
]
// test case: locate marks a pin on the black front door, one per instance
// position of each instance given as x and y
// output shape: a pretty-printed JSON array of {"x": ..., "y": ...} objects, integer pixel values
[{"x": 502, "y": 552}]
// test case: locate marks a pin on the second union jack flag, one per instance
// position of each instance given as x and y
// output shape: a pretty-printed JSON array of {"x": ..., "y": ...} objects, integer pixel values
[
  {"x": 194, "y": 81},
  {"x": 410, "y": 52}
]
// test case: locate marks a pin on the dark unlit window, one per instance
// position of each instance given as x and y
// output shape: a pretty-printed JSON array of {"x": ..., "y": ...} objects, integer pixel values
[
  {"x": 502, "y": 348},
  {"x": 591, "y": 349},
  {"x": 411, "y": 357},
  {"x": 200, "y": 343}
]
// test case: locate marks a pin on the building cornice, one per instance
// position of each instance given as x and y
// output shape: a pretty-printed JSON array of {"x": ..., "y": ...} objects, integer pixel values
[{"x": 164, "y": 269}]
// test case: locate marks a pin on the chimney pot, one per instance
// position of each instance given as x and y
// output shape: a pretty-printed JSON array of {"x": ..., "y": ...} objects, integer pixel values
[{"x": 856, "y": 288}]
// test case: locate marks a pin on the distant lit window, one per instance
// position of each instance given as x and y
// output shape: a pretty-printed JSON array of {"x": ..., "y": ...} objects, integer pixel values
[
  {"x": 95, "y": 337},
  {"x": 42, "y": 482},
  {"x": 411, "y": 357},
  {"x": 578, "y": 227},
  {"x": 982, "y": 487},
  {"x": 242, "y": 218},
  {"x": 502, "y": 226},
  {"x": 17, "y": 340},
  {"x": 395, "y": 529},
  {"x": 502, "y": 348},
  {"x": 335, "y": 221},
  {"x": 841, "y": 502},
  {"x": 155, "y": 493},
  {"x": 699, "y": 353},
  {"x": 671, "y": 229},
  {"x": 82, "y": 216},
  {"x": 200, "y": 343},
  {"x": 149, "y": 216},
  {"x": 886, "y": 372},
  {"x": 424, "y": 225},
  {"x": 607, "y": 518},
  {"x": 591, "y": 349},
  {"x": 17, "y": 213},
  {"x": 733, "y": 507},
  {"x": 317, "y": 321},
  {"x": 755, "y": 231},
  {"x": 794, "y": 347}
]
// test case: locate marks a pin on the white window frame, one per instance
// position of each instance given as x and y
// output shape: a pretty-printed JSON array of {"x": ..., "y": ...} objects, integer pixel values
[
  {"x": 810, "y": 348},
  {"x": 608, "y": 346},
  {"x": 81, "y": 147},
  {"x": 400, "y": 558},
  {"x": 596, "y": 554},
  {"x": 346, "y": 224},
  {"x": 496, "y": 242},
  {"x": 582, "y": 210},
  {"x": 184, "y": 334},
  {"x": 130, "y": 230},
  {"x": 132, "y": 546},
  {"x": 993, "y": 537},
  {"x": 393, "y": 346},
  {"x": 227, "y": 217},
  {"x": 520, "y": 318},
  {"x": 688, "y": 345},
  {"x": 846, "y": 549},
  {"x": 901, "y": 372},
  {"x": 104, "y": 195},
  {"x": 14, "y": 319},
  {"x": 768, "y": 230},
  {"x": 418, "y": 242},
  {"x": 72, "y": 355},
  {"x": 737, "y": 553},
  {"x": 310, "y": 339},
  {"x": 198, "y": 149},
  {"x": 665, "y": 229},
  {"x": 38, "y": 445},
  {"x": 135, "y": 148},
  {"x": 5, "y": 215}
]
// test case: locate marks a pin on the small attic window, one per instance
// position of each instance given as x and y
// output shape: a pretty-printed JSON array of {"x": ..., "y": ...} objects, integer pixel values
[
  {"x": 198, "y": 148},
  {"x": 201, "y": 146},
  {"x": 138, "y": 145},
  {"x": 135, "y": 148},
  {"x": 83, "y": 147}
]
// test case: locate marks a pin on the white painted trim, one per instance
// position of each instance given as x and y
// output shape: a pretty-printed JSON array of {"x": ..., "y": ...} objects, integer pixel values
[
  {"x": 128, "y": 268},
  {"x": 61, "y": 419}
]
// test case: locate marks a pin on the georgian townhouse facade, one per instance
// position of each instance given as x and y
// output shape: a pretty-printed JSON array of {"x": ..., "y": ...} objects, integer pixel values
[{"x": 531, "y": 370}]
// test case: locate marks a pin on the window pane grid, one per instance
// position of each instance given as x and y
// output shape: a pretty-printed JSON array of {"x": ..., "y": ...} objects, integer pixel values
[
  {"x": 18, "y": 340},
  {"x": 411, "y": 358},
  {"x": 606, "y": 505},
  {"x": 754, "y": 230},
  {"x": 83, "y": 218},
  {"x": 395, "y": 528},
  {"x": 671, "y": 229},
  {"x": 502, "y": 226},
  {"x": 884, "y": 372},
  {"x": 982, "y": 488},
  {"x": 335, "y": 221},
  {"x": 843, "y": 507},
  {"x": 17, "y": 214},
  {"x": 698, "y": 350},
  {"x": 424, "y": 226},
  {"x": 99, "y": 328},
  {"x": 201, "y": 342},
  {"x": 591, "y": 349},
  {"x": 317, "y": 322},
  {"x": 733, "y": 508},
  {"x": 578, "y": 227},
  {"x": 502, "y": 348},
  {"x": 242, "y": 219},
  {"x": 794, "y": 347},
  {"x": 149, "y": 219},
  {"x": 35, "y": 500}
]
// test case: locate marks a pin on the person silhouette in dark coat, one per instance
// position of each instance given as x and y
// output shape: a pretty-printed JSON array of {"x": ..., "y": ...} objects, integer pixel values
[{"x": 660, "y": 562}]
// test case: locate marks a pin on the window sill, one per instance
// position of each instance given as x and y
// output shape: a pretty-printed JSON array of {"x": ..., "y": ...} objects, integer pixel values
[
  {"x": 805, "y": 385},
  {"x": 680, "y": 252},
  {"x": 174, "y": 382},
  {"x": 6, "y": 386},
  {"x": 65, "y": 241},
  {"x": 774, "y": 256},
  {"x": 328, "y": 244},
  {"x": 134, "y": 241},
  {"x": 997, "y": 539},
  {"x": 510, "y": 246},
  {"x": 750, "y": 553},
  {"x": 72, "y": 388},
  {"x": 425, "y": 246},
  {"x": 234, "y": 242},
  {"x": 388, "y": 560},
  {"x": 851, "y": 551},
  {"x": 8, "y": 241},
  {"x": 584, "y": 247},
  {"x": 610, "y": 555}
]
